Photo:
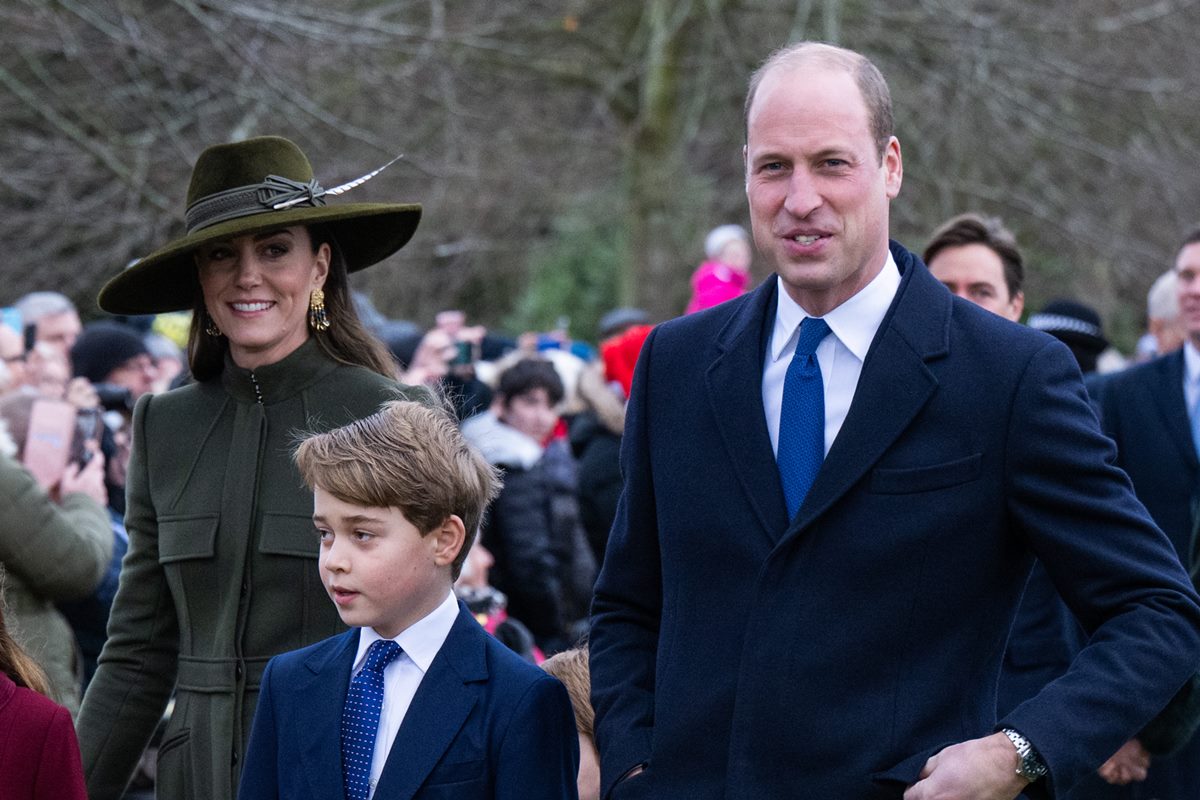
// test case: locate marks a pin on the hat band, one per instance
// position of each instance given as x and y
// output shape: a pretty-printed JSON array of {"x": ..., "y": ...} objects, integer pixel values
[
  {"x": 243, "y": 201},
  {"x": 1061, "y": 322}
]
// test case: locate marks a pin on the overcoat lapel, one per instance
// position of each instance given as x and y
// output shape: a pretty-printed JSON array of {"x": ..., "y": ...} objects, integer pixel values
[
  {"x": 894, "y": 385},
  {"x": 440, "y": 707},
  {"x": 734, "y": 384},
  {"x": 320, "y": 715},
  {"x": 1171, "y": 405}
]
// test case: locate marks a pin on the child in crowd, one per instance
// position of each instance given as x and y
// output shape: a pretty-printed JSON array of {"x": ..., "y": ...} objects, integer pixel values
[
  {"x": 39, "y": 755},
  {"x": 543, "y": 562},
  {"x": 725, "y": 273},
  {"x": 416, "y": 701},
  {"x": 571, "y": 667}
]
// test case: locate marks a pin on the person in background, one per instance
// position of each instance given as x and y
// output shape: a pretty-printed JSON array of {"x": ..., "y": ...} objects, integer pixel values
[
  {"x": 221, "y": 571},
  {"x": 1164, "y": 325},
  {"x": 543, "y": 563},
  {"x": 1152, "y": 412},
  {"x": 725, "y": 273},
  {"x": 53, "y": 319},
  {"x": 54, "y": 547},
  {"x": 1078, "y": 326},
  {"x": 977, "y": 259},
  {"x": 12, "y": 352},
  {"x": 571, "y": 667},
  {"x": 39, "y": 755},
  {"x": 111, "y": 353}
]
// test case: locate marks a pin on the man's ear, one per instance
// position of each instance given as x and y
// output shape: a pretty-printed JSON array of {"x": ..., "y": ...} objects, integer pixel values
[{"x": 447, "y": 540}]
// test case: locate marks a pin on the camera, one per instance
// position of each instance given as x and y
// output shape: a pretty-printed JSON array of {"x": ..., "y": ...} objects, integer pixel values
[{"x": 114, "y": 397}]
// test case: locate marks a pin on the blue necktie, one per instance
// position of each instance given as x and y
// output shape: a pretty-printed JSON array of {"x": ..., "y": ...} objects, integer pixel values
[
  {"x": 802, "y": 417},
  {"x": 360, "y": 718},
  {"x": 1195, "y": 420}
]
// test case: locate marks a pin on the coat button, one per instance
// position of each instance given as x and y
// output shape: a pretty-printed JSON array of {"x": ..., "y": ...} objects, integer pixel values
[{"x": 238, "y": 671}]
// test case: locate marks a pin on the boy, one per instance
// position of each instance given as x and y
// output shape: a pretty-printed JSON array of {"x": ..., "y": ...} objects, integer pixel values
[{"x": 416, "y": 701}]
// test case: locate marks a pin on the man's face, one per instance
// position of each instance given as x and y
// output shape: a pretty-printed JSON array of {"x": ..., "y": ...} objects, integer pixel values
[
  {"x": 975, "y": 272},
  {"x": 12, "y": 351},
  {"x": 818, "y": 192},
  {"x": 136, "y": 374},
  {"x": 59, "y": 330},
  {"x": 1187, "y": 271}
]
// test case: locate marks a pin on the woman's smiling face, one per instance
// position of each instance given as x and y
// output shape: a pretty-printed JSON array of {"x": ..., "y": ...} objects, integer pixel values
[{"x": 256, "y": 289}]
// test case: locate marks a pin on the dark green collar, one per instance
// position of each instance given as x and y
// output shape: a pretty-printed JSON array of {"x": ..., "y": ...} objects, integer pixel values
[{"x": 272, "y": 383}]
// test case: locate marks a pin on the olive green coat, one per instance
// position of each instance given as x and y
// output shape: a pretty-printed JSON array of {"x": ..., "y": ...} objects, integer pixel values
[
  {"x": 49, "y": 552},
  {"x": 221, "y": 572}
]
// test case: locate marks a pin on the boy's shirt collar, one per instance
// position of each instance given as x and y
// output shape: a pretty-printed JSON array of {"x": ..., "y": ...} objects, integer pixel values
[{"x": 420, "y": 641}]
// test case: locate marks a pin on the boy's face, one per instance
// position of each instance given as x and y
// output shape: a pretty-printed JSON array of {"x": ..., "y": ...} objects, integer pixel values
[
  {"x": 378, "y": 569},
  {"x": 531, "y": 413}
]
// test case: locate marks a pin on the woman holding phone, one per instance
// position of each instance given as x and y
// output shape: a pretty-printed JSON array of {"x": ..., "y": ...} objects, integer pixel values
[{"x": 221, "y": 572}]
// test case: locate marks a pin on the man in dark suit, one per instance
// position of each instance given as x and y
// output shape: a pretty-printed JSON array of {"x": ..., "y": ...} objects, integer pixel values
[
  {"x": 1150, "y": 411},
  {"x": 762, "y": 628}
]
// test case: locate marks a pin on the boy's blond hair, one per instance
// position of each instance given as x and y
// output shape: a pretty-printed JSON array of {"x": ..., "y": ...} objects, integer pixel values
[
  {"x": 571, "y": 669},
  {"x": 408, "y": 456}
]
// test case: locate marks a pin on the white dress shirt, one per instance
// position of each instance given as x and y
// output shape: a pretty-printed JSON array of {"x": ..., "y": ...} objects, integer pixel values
[
  {"x": 852, "y": 327},
  {"x": 1191, "y": 376},
  {"x": 419, "y": 642}
]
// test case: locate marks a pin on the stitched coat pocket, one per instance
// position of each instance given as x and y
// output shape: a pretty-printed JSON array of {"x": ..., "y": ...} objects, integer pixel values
[{"x": 906, "y": 480}]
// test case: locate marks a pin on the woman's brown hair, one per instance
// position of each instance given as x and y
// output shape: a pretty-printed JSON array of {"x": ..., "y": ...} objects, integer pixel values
[
  {"x": 346, "y": 341},
  {"x": 15, "y": 662}
]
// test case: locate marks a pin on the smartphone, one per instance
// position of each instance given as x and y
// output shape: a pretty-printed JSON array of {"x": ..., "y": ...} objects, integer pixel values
[
  {"x": 49, "y": 441},
  {"x": 462, "y": 354},
  {"x": 87, "y": 429}
]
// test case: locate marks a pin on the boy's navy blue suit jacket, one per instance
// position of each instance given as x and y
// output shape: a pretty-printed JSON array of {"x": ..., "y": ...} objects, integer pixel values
[
  {"x": 743, "y": 655},
  {"x": 483, "y": 724}
]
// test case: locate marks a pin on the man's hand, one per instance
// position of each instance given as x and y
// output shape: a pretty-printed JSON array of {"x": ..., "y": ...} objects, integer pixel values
[
  {"x": 1127, "y": 765},
  {"x": 981, "y": 769}
]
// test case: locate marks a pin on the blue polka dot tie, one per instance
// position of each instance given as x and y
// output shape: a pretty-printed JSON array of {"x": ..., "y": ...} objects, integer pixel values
[
  {"x": 802, "y": 417},
  {"x": 360, "y": 718}
]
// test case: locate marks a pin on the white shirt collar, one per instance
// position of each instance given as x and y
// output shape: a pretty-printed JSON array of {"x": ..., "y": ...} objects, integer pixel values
[
  {"x": 419, "y": 641},
  {"x": 1191, "y": 363},
  {"x": 854, "y": 322}
]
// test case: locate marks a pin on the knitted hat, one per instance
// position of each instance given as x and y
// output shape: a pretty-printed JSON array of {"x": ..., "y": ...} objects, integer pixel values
[
  {"x": 722, "y": 235},
  {"x": 102, "y": 347}
]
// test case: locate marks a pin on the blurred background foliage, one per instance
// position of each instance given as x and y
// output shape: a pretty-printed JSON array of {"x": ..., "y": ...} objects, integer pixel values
[{"x": 571, "y": 155}]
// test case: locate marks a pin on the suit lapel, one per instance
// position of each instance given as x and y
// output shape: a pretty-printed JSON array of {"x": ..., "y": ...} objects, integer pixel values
[
  {"x": 734, "y": 383},
  {"x": 319, "y": 714},
  {"x": 893, "y": 387},
  {"x": 1169, "y": 399},
  {"x": 440, "y": 707}
]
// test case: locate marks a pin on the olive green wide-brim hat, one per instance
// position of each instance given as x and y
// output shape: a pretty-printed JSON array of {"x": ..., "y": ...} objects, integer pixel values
[{"x": 250, "y": 187}]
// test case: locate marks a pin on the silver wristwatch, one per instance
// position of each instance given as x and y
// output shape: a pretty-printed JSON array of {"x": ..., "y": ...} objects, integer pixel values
[{"x": 1031, "y": 767}]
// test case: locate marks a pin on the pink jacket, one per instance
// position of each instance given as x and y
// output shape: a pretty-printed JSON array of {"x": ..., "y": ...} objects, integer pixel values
[{"x": 714, "y": 282}]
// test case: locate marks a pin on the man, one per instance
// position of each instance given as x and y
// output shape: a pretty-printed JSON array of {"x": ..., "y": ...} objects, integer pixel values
[
  {"x": 117, "y": 355},
  {"x": 1163, "y": 325},
  {"x": 977, "y": 259},
  {"x": 12, "y": 351},
  {"x": 756, "y": 637},
  {"x": 53, "y": 317},
  {"x": 1152, "y": 412}
]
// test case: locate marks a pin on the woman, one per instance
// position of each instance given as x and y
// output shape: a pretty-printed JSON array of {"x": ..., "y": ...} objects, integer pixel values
[
  {"x": 50, "y": 552},
  {"x": 222, "y": 568},
  {"x": 39, "y": 757}
]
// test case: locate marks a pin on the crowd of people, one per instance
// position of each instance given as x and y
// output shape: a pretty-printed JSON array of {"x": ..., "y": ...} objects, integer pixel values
[{"x": 855, "y": 532}]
